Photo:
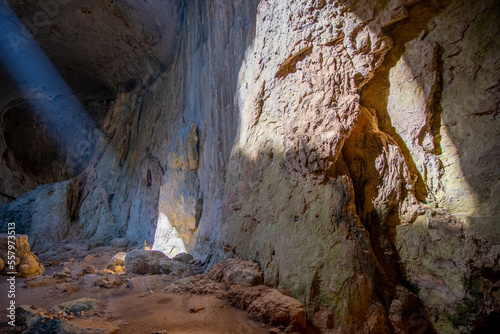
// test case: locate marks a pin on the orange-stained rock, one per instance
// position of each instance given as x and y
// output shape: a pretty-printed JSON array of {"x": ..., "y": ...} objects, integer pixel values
[
  {"x": 26, "y": 264},
  {"x": 278, "y": 309},
  {"x": 233, "y": 271}
]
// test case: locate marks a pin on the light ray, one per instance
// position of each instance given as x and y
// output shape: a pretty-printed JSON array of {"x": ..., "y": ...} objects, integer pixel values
[{"x": 67, "y": 122}]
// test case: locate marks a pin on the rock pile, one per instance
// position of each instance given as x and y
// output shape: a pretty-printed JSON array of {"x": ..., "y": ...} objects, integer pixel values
[
  {"x": 240, "y": 282},
  {"x": 56, "y": 320}
]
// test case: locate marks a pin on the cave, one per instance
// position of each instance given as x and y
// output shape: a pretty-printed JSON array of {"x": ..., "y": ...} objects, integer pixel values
[{"x": 263, "y": 166}]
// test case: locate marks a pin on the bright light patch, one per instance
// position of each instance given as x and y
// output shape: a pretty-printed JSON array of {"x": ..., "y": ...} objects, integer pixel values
[{"x": 167, "y": 239}]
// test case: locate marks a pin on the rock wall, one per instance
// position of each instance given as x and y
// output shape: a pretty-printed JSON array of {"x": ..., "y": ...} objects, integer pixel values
[{"x": 348, "y": 147}]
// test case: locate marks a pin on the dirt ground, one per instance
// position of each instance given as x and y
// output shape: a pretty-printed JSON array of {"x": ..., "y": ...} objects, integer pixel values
[{"x": 138, "y": 305}]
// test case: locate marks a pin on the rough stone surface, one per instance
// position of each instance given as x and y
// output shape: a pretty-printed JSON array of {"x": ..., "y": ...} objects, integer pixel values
[
  {"x": 24, "y": 313},
  {"x": 42, "y": 214},
  {"x": 242, "y": 296},
  {"x": 58, "y": 319},
  {"x": 277, "y": 309},
  {"x": 198, "y": 284},
  {"x": 38, "y": 326},
  {"x": 154, "y": 262},
  {"x": 26, "y": 263},
  {"x": 76, "y": 307},
  {"x": 183, "y": 257},
  {"x": 233, "y": 271},
  {"x": 144, "y": 262}
]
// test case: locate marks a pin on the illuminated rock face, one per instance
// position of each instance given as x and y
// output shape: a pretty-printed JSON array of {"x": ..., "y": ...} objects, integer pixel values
[
  {"x": 25, "y": 263},
  {"x": 350, "y": 148}
]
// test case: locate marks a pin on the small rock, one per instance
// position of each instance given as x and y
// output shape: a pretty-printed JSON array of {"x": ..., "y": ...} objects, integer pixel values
[
  {"x": 117, "y": 260},
  {"x": 274, "y": 331},
  {"x": 117, "y": 263},
  {"x": 79, "y": 272},
  {"x": 183, "y": 257},
  {"x": 41, "y": 281},
  {"x": 119, "y": 243},
  {"x": 196, "y": 309},
  {"x": 62, "y": 274},
  {"x": 89, "y": 280},
  {"x": 68, "y": 288},
  {"x": 109, "y": 281}
]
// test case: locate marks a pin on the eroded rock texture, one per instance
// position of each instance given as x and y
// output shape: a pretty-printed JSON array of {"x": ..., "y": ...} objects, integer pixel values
[
  {"x": 348, "y": 147},
  {"x": 20, "y": 259}
]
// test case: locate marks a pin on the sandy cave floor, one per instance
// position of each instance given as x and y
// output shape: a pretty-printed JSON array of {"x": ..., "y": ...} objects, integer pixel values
[{"x": 137, "y": 306}]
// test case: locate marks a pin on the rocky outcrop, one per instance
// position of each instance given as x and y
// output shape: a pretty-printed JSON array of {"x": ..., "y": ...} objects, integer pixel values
[
  {"x": 236, "y": 272},
  {"x": 17, "y": 257},
  {"x": 279, "y": 310},
  {"x": 58, "y": 319},
  {"x": 43, "y": 215},
  {"x": 239, "y": 282},
  {"x": 347, "y": 147}
]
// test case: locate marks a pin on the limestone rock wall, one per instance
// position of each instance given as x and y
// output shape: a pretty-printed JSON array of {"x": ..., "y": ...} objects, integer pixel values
[
  {"x": 349, "y": 180},
  {"x": 348, "y": 147}
]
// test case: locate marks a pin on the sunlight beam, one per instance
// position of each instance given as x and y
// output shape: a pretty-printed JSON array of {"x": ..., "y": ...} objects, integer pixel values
[{"x": 44, "y": 88}]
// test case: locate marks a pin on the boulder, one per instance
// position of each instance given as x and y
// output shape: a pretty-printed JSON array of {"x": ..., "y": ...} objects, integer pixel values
[
  {"x": 174, "y": 267},
  {"x": 154, "y": 262},
  {"x": 24, "y": 313},
  {"x": 183, "y": 257},
  {"x": 38, "y": 325},
  {"x": 144, "y": 262},
  {"x": 277, "y": 309},
  {"x": 233, "y": 271},
  {"x": 79, "y": 307},
  {"x": 26, "y": 263},
  {"x": 58, "y": 319}
]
